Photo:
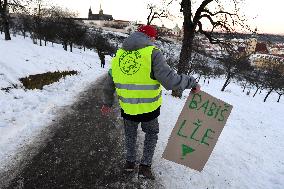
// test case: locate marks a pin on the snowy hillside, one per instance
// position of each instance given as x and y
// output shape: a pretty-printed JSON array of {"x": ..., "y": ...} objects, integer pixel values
[
  {"x": 249, "y": 153},
  {"x": 24, "y": 113}
]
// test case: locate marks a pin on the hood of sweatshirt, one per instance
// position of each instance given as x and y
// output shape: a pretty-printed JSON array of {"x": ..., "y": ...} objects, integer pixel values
[{"x": 135, "y": 41}]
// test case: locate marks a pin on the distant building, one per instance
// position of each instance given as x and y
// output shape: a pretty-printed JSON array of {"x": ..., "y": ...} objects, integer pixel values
[
  {"x": 277, "y": 49},
  {"x": 176, "y": 31},
  {"x": 100, "y": 16},
  {"x": 261, "y": 48},
  {"x": 266, "y": 59},
  {"x": 260, "y": 54},
  {"x": 251, "y": 45},
  {"x": 122, "y": 23}
]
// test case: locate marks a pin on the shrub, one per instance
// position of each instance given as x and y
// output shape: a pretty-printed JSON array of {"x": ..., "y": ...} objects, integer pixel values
[{"x": 39, "y": 80}]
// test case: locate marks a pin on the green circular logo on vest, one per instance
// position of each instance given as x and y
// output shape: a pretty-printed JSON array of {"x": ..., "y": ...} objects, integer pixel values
[{"x": 129, "y": 62}]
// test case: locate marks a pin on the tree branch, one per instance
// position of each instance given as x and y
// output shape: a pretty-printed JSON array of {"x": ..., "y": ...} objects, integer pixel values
[
  {"x": 208, "y": 35},
  {"x": 219, "y": 12},
  {"x": 199, "y": 11}
]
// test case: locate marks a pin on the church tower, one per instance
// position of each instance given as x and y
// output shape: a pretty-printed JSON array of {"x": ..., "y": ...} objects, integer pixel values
[
  {"x": 251, "y": 43},
  {"x": 90, "y": 13},
  {"x": 101, "y": 12},
  {"x": 100, "y": 16}
]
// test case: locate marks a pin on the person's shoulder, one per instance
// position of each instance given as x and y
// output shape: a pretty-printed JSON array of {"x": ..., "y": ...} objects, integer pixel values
[
  {"x": 156, "y": 51},
  {"x": 156, "y": 48}
]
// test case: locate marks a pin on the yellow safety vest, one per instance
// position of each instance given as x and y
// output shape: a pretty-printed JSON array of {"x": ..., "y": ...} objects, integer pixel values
[{"x": 137, "y": 92}]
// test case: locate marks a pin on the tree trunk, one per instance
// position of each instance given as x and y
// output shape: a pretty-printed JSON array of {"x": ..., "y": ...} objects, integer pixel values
[
  {"x": 71, "y": 47},
  {"x": 102, "y": 57},
  {"x": 34, "y": 39},
  {"x": 256, "y": 91},
  {"x": 65, "y": 46},
  {"x": 185, "y": 57},
  {"x": 226, "y": 82},
  {"x": 24, "y": 34},
  {"x": 5, "y": 21},
  {"x": 279, "y": 97},
  {"x": 188, "y": 35},
  {"x": 40, "y": 43},
  {"x": 245, "y": 85},
  {"x": 6, "y": 26},
  {"x": 198, "y": 78},
  {"x": 267, "y": 95}
]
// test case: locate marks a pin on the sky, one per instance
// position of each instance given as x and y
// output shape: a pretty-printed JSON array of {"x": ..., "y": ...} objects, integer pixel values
[{"x": 264, "y": 15}]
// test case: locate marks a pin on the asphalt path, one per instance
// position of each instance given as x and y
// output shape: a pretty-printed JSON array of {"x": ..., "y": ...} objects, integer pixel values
[{"x": 85, "y": 150}]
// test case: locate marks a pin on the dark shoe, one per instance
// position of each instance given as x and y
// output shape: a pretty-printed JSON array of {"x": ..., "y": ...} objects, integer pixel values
[
  {"x": 129, "y": 166},
  {"x": 145, "y": 172}
]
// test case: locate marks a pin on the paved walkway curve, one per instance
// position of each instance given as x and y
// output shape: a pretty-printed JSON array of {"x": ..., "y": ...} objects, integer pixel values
[{"x": 85, "y": 151}]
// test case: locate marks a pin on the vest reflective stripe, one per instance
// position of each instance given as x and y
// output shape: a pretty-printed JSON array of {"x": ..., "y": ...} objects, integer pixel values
[
  {"x": 140, "y": 100},
  {"x": 137, "y": 92},
  {"x": 137, "y": 87}
]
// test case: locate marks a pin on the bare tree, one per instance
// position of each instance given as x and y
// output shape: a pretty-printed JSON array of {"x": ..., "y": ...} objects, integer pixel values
[
  {"x": 52, "y": 26},
  {"x": 5, "y": 6},
  {"x": 274, "y": 78},
  {"x": 103, "y": 46},
  {"x": 193, "y": 22},
  {"x": 64, "y": 26},
  {"x": 255, "y": 78},
  {"x": 156, "y": 11},
  {"x": 96, "y": 40},
  {"x": 201, "y": 61},
  {"x": 280, "y": 93},
  {"x": 48, "y": 30},
  {"x": 38, "y": 17},
  {"x": 233, "y": 63},
  {"x": 23, "y": 24},
  {"x": 80, "y": 34}
]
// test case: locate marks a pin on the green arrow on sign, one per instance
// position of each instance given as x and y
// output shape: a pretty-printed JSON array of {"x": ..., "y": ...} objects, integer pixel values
[{"x": 186, "y": 150}]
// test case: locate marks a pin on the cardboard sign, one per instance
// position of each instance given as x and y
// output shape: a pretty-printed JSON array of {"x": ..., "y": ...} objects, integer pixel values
[{"x": 197, "y": 130}]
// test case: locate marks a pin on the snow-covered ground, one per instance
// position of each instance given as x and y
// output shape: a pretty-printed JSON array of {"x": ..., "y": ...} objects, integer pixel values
[
  {"x": 23, "y": 114},
  {"x": 248, "y": 154}
]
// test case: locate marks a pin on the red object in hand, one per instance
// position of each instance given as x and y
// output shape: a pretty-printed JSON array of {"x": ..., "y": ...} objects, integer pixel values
[
  {"x": 196, "y": 89},
  {"x": 105, "y": 110}
]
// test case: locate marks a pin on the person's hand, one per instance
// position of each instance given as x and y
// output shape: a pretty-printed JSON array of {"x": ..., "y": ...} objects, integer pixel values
[
  {"x": 105, "y": 110},
  {"x": 196, "y": 89}
]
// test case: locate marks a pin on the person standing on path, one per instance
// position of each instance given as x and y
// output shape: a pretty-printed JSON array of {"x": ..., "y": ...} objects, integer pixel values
[
  {"x": 137, "y": 74},
  {"x": 102, "y": 58}
]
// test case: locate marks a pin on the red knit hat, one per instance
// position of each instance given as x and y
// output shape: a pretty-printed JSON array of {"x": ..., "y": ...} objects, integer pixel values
[{"x": 148, "y": 30}]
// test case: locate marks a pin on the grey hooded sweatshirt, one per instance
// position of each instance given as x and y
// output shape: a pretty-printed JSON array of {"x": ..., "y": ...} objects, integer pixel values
[{"x": 161, "y": 71}]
